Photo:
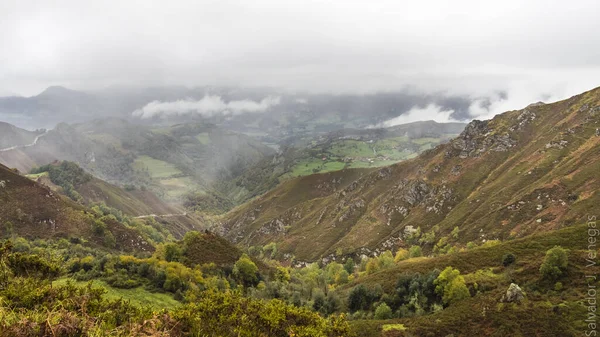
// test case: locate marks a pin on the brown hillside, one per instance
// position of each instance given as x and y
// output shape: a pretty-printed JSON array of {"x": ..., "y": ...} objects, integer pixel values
[
  {"x": 524, "y": 171},
  {"x": 33, "y": 210}
]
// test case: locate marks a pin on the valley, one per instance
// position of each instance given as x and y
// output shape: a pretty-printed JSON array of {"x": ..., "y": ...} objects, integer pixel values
[{"x": 403, "y": 231}]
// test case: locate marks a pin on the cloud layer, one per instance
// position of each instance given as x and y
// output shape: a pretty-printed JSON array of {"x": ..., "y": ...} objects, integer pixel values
[
  {"x": 528, "y": 49},
  {"x": 208, "y": 106}
]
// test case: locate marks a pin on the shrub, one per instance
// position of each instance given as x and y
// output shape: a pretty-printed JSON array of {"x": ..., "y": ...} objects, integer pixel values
[
  {"x": 246, "y": 271},
  {"x": 555, "y": 263},
  {"x": 401, "y": 254},
  {"x": 415, "y": 251},
  {"x": 383, "y": 311},
  {"x": 173, "y": 252},
  {"x": 451, "y": 286},
  {"x": 508, "y": 259}
]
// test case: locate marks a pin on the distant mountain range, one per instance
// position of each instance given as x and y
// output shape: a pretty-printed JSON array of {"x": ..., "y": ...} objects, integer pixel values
[{"x": 286, "y": 114}]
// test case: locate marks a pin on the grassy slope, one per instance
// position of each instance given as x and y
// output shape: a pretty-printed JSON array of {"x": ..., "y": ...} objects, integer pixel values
[
  {"x": 136, "y": 296},
  {"x": 535, "y": 317},
  {"x": 474, "y": 182}
]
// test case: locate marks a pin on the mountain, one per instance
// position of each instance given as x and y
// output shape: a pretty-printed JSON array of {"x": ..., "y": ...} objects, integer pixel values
[
  {"x": 134, "y": 202},
  {"x": 32, "y": 210},
  {"x": 11, "y": 136},
  {"x": 290, "y": 114},
  {"x": 347, "y": 148},
  {"x": 522, "y": 172},
  {"x": 171, "y": 161}
]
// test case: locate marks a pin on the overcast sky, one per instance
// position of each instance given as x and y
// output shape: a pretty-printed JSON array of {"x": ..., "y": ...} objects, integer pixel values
[{"x": 532, "y": 50}]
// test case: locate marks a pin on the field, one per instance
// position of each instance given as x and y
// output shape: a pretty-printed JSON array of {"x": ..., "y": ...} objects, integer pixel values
[
  {"x": 157, "y": 169},
  {"x": 203, "y": 138},
  {"x": 349, "y": 153},
  {"x": 137, "y": 296}
]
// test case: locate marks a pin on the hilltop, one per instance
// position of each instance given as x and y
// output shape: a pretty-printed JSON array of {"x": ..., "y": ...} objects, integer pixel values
[
  {"x": 32, "y": 210},
  {"x": 522, "y": 172}
]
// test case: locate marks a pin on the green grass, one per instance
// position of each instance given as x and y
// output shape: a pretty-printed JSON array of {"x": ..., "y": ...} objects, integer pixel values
[
  {"x": 177, "y": 187},
  {"x": 157, "y": 168},
  {"x": 306, "y": 167},
  {"x": 37, "y": 175},
  {"x": 203, "y": 138},
  {"x": 137, "y": 296},
  {"x": 393, "y": 327}
]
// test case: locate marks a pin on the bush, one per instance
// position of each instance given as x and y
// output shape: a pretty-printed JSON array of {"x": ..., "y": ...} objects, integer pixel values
[
  {"x": 383, "y": 311},
  {"x": 555, "y": 263},
  {"x": 246, "y": 271},
  {"x": 415, "y": 251},
  {"x": 451, "y": 286},
  {"x": 508, "y": 259}
]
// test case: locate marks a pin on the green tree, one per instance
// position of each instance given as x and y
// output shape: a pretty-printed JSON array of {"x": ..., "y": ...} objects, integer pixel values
[
  {"x": 349, "y": 266},
  {"x": 282, "y": 274},
  {"x": 173, "y": 252},
  {"x": 246, "y": 271},
  {"x": 508, "y": 259},
  {"x": 451, "y": 286},
  {"x": 555, "y": 263},
  {"x": 415, "y": 251},
  {"x": 383, "y": 311}
]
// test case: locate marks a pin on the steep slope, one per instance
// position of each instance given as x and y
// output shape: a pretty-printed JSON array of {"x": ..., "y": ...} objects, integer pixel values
[
  {"x": 346, "y": 148},
  {"x": 522, "y": 172},
  {"x": 131, "y": 201},
  {"x": 31, "y": 210},
  {"x": 545, "y": 313},
  {"x": 12, "y": 136}
]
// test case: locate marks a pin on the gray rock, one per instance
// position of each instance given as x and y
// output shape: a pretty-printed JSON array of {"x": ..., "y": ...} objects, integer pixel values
[{"x": 513, "y": 294}]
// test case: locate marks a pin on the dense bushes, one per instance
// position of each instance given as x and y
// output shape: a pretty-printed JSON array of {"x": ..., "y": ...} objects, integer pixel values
[{"x": 31, "y": 306}]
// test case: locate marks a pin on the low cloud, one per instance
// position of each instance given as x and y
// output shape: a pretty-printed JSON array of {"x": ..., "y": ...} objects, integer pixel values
[
  {"x": 430, "y": 112},
  {"x": 209, "y": 105}
]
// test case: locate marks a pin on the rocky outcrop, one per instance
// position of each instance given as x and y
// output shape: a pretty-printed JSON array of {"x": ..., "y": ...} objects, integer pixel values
[{"x": 513, "y": 294}]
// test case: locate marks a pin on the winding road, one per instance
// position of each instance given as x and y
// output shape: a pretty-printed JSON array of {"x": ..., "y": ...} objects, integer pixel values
[
  {"x": 24, "y": 146},
  {"x": 159, "y": 215}
]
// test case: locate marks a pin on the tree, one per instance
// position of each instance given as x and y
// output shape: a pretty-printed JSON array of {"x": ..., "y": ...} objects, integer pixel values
[
  {"x": 349, "y": 266},
  {"x": 401, "y": 254},
  {"x": 246, "y": 271},
  {"x": 555, "y": 263},
  {"x": 383, "y": 311},
  {"x": 415, "y": 251},
  {"x": 173, "y": 252},
  {"x": 282, "y": 274},
  {"x": 358, "y": 298},
  {"x": 451, "y": 286},
  {"x": 508, "y": 259}
]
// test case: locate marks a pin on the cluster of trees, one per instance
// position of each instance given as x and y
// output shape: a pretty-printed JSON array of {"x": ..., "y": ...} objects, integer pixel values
[
  {"x": 32, "y": 306},
  {"x": 67, "y": 175},
  {"x": 148, "y": 228}
]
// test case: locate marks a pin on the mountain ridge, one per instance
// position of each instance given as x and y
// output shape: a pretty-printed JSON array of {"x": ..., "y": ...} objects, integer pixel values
[{"x": 455, "y": 184}]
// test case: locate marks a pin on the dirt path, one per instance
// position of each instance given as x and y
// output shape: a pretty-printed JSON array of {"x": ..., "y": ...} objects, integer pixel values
[
  {"x": 159, "y": 215},
  {"x": 24, "y": 146}
]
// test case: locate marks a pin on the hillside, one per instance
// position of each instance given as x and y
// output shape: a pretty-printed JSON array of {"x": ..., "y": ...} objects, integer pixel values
[
  {"x": 11, "y": 136},
  {"x": 523, "y": 172},
  {"x": 346, "y": 148},
  {"x": 131, "y": 201},
  {"x": 547, "y": 310},
  {"x": 31, "y": 210},
  {"x": 171, "y": 161}
]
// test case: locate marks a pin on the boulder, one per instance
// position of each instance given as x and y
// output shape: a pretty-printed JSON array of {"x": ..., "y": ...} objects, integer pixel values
[{"x": 513, "y": 294}]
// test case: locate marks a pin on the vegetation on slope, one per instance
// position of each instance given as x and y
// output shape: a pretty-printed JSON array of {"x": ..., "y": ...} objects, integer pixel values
[{"x": 520, "y": 173}]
